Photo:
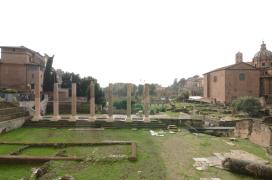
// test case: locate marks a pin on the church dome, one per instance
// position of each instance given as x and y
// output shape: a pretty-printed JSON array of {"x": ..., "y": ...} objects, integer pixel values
[
  {"x": 263, "y": 58},
  {"x": 263, "y": 53}
]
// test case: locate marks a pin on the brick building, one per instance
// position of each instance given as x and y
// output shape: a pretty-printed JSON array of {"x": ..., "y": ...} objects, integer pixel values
[
  {"x": 241, "y": 79},
  {"x": 18, "y": 66}
]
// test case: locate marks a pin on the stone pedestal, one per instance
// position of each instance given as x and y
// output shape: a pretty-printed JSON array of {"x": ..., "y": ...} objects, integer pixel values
[
  {"x": 74, "y": 102},
  {"x": 92, "y": 101},
  {"x": 129, "y": 102},
  {"x": 37, "y": 86},
  {"x": 56, "y": 115},
  {"x": 110, "y": 112},
  {"x": 146, "y": 103}
]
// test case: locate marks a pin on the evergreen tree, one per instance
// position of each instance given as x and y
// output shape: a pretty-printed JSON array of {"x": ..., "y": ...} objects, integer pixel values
[{"x": 48, "y": 81}]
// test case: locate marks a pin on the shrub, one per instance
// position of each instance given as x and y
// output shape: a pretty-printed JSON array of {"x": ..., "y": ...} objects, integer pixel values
[
  {"x": 137, "y": 107},
  {"x": 8, "y": 90},
  {"x": 249, "y": 105},
  {"x": 120, "y": 104},
  {"x": 184, "y": 95}
]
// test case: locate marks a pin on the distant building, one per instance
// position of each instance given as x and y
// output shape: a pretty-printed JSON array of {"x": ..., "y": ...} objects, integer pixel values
[
  {"x": 18, "y": 66},
  {"x": 241, "y": 79},
  {"x": 194, "y": 85},
  {"x": 227, "y": 83}
]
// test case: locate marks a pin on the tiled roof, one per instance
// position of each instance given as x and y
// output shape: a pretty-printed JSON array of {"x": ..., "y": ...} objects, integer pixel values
[{"x": 230, "y": 66}]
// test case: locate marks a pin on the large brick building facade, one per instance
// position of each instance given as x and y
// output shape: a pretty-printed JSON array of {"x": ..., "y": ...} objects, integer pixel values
[
  {"x": 241, "y": 79},
  {"x": 18, "y": 66}
]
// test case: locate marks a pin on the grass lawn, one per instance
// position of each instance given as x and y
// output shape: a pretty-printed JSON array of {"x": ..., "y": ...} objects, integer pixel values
[
  {"x": 172, "y": 114},
  {"x": 168, "y": 157}
]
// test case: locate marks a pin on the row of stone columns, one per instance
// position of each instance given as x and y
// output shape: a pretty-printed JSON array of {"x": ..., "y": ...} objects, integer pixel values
[{"x": 56, "y": 116}]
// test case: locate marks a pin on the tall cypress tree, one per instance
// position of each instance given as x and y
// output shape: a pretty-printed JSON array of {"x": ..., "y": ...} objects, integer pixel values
[{"x": 48, "y": 81}]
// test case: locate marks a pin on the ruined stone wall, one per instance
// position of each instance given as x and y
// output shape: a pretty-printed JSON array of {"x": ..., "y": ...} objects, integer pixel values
[
  {"x": 261, "y": 134},
  {"x": 63, "y": 94},
  {"x": 12, "y": 124},
  {"x": 257, "y": 131},
  {"x": 243, "y": 129}
]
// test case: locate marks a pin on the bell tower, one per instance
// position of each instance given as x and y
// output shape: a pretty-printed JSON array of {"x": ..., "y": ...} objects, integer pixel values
[{"x": 238, "y": 57}]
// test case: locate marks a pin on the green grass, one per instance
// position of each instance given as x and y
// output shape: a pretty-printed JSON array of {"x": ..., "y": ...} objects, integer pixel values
[
  {"x": 168, "y": 157},
  {"x": 172, "y": 114},
  {"x": 6, "y": 149},
  {"x": 148, "y": 166}
]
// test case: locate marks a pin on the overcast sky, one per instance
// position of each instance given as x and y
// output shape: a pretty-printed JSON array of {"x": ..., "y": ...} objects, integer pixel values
[{"x": 138, "y": 41}]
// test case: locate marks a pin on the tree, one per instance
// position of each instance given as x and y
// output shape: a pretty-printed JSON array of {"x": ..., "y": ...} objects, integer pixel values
[
  {"x": 68, "y": 78},
  {"x": 122, "y": 104},
  {"x": 250, "y": 105},
  {"x": 48, "y": 81},
  {"x": 152, "y": 90},
  {"x": 182, "y": 82},
  {"x": 184, "y": 95},
  {"x": 83, "y": 87},
  {"x": 140, "y": 90}
]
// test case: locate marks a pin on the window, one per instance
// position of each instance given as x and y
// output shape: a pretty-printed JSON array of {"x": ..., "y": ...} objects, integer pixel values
[
  {"x": 242, "y": 76},
  {"x": 263, "y": 64},
  {"x": 214, "y": 79}
]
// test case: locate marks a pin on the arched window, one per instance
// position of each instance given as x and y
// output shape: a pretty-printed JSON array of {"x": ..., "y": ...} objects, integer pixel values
[
  {"x": 241, "y": 76},
  {"x": 214, "y": 78}
]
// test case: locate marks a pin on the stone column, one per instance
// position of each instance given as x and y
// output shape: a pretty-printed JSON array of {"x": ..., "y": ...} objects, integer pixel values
[
  {"x": 37, "y": 89},
  {"x": 56, "y": 102},
  {"x": 110, "y": 101},
  {"x": 129, "y": 102},
  {"x": 146, "y": 102},
  {"x": 92, "y": 100},
  {"x": 74, "y": 102}
]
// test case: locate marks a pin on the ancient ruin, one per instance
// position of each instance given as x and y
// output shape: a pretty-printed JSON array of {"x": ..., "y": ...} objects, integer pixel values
[
  {"x": 258, "y": 131},
  {"x": 92, "y": 101},
  {"x": 37, "y": 115},
  {"x": 92, "y": 117}
]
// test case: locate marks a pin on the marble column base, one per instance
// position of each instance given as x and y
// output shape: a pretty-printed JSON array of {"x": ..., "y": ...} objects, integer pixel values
[
  {"x": 146, "y": 119},
  {"x": 73, "y": 118},
  {"x": 37, "y": 118},
  {"x": 92, "y": 118},
  {"x": 55, "y": 118}
]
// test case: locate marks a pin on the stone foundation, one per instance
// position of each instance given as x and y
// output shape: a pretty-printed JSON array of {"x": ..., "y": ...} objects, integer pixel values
[
  {"x": 261, "y": 134},
  {"x": 257, "y": 131},
  {"x": 9, "y": 125}
]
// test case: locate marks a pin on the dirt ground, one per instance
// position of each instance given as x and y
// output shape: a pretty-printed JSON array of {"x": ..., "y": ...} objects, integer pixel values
[{"x": 177, "y": 151}]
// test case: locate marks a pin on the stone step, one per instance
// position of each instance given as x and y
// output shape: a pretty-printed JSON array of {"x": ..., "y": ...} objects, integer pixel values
[{"x": 46, "y": 123}]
